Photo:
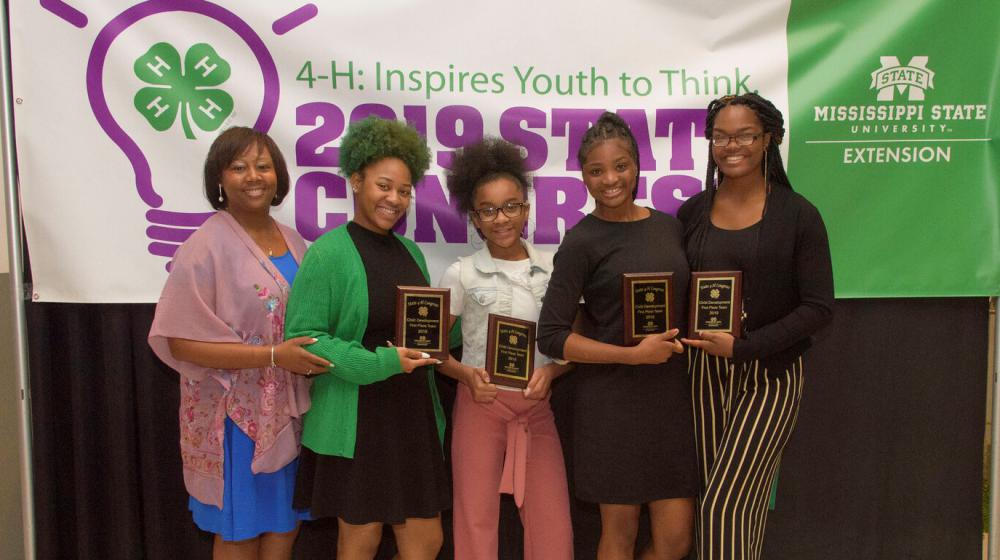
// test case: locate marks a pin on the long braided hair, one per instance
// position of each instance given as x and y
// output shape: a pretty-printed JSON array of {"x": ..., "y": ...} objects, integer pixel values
[
  {"x": 608, "y": 127},
  {"x": 773, "y": 168},
  {"x": 770, "y": 119}
]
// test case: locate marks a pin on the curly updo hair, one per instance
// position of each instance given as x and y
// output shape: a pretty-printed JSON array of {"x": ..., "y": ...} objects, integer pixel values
[
  {"x": 230, "y": 145},
  {"x": 770, "y": 119},
  {"x": 608, "y": 127},
  {"x": 373, "y": 139},
  {"x": 479, "y": 163}
]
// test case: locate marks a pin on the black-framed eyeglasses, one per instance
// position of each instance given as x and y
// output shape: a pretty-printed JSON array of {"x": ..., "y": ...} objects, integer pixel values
[
  {"x": 723, "y": 140},
  {"x": 509, "y": 209}
]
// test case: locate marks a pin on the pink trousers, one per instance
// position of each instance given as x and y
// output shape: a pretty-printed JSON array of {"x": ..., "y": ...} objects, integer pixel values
[{"x": 509, "y": 446}]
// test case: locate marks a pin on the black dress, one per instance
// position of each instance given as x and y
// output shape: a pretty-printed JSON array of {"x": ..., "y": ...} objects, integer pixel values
[
  {"x": 398, "y": 467},
  {"x": 633, "y": 439}
]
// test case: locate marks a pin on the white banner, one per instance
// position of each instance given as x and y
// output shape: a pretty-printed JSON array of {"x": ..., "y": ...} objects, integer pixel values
[{"x": 116, "y": 104}]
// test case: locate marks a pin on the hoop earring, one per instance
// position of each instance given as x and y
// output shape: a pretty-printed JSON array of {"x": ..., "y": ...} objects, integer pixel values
[
  {"x": 765, "y": 167},
  {"x": 220, "y": 192}
]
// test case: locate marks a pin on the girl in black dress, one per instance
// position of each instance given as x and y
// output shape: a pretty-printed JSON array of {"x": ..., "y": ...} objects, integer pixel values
[
  {"x": 632, "y": 435},
  {"x": 746, "y": 390}
]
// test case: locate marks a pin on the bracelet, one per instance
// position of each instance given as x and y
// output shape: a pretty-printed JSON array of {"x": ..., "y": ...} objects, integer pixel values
[{"x": 272, "y": 357}]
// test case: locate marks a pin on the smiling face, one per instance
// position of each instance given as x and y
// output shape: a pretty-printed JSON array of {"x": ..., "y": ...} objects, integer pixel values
[
  {"x": 250, "y": 182},
  {"x": 382, "y": 192},
  {"x": 503, "y": 231},
  {"x": 610, "y": 174},
  {"x": 733, "y": 160}
]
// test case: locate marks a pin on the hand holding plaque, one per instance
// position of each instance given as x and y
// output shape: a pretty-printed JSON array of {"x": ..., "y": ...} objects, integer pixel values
[
  {"x": 422, "y": 316},
  {"x": 510, "y": 351},
  {"x": 647, "y": 303},
  {"x": 716, "y": 302}
]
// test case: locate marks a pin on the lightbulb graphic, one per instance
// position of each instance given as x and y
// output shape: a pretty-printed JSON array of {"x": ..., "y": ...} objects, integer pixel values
[{"x": 177, "y": 88}]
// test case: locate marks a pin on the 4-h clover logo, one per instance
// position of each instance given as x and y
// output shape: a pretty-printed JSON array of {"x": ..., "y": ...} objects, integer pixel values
[
  {"x": 188, "y": 89},
  {"x": 512, "y": 339},
  {"x": 423, "y": 311},
  {"x": 650, "y": 297},
  {"x": 714, "y": 293}
]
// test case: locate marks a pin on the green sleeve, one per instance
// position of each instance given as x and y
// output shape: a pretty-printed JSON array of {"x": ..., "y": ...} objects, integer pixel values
[{"x": 319, "y": 306}]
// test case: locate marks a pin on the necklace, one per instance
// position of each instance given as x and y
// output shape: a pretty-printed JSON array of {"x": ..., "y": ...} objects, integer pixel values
[
  {"x": 251, "y": 242},
  {"x": 269, "y": 266},
  {"x": 260, "y": 239},
  {"x": 268, "y": 245}
]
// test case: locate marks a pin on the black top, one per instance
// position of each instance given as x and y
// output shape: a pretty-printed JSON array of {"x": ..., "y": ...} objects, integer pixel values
[
  {"x": 387, "y": 264},
  {"x": 729, "y": 249},
  {"x": 590, "y": 263},
  {"x": 788, "y": 283},
  {"x": 632, "y": 435}
]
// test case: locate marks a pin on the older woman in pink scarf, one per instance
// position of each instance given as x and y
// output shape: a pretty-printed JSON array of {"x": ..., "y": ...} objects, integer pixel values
[{"x": 220, "y": 324}]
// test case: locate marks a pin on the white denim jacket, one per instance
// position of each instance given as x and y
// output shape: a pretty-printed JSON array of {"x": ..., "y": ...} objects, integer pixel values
[{"x": 489, "y": 290}]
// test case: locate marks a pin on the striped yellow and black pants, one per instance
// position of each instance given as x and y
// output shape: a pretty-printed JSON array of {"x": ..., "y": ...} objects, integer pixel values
[{"x": 743, "y": 416}]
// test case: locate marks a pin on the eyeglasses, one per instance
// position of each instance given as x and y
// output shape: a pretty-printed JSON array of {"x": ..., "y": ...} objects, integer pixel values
[
  {"x": 723, "y": 140},
  {"x": 510, "y": 209}
]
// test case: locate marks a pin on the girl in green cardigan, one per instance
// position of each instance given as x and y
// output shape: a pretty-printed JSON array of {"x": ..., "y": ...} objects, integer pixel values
[{"x": 372, "y": 439}]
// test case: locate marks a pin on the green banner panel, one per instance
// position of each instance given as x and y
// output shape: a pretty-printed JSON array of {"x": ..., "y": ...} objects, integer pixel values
[{"x": 894, "y": 136}]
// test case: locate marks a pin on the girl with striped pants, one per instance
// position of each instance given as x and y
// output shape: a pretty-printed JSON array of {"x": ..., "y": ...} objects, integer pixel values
[{"x": 746, "y": 391}]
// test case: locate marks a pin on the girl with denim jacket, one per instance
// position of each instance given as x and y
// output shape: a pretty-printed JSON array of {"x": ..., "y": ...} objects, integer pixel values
[{"x": 503, "y": 440}]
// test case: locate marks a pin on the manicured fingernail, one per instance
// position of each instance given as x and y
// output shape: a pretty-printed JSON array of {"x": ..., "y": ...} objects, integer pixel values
[
  {"x": 438, "y": 362},
  {"x": 313, "y": 340},
  {"x": 425, "y": 355}
]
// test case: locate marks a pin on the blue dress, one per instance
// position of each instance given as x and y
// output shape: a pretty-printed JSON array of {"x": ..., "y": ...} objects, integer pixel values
[{"x": 252, "y": 504}]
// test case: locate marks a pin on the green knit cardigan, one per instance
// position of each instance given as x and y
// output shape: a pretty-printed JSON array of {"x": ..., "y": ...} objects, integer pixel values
[{"x": 329, "y": 302}]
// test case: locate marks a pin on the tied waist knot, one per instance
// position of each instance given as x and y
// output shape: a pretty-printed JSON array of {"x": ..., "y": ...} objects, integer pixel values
[{"x": 515, "y": 461}]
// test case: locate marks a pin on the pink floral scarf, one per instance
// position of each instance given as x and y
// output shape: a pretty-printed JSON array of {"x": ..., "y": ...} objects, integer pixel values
[{"x": 222, "y": 288}]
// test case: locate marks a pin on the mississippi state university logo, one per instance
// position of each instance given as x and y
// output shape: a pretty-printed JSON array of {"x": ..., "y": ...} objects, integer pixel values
[
  {"x": 914, "y": 78},
  {"x": 910, "y": 121}
]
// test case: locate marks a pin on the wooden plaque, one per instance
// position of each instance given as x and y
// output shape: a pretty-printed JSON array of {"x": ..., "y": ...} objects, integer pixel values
[
  {"x": 510, "y": 351},
  {"x": 716, "y": 302},
  {"x": 422, "y": 316},
  {"x": 647, "y": 303}
]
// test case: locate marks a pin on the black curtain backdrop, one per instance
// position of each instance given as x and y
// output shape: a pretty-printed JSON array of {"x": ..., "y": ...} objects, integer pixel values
[{"x": 886, "y": 461}]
